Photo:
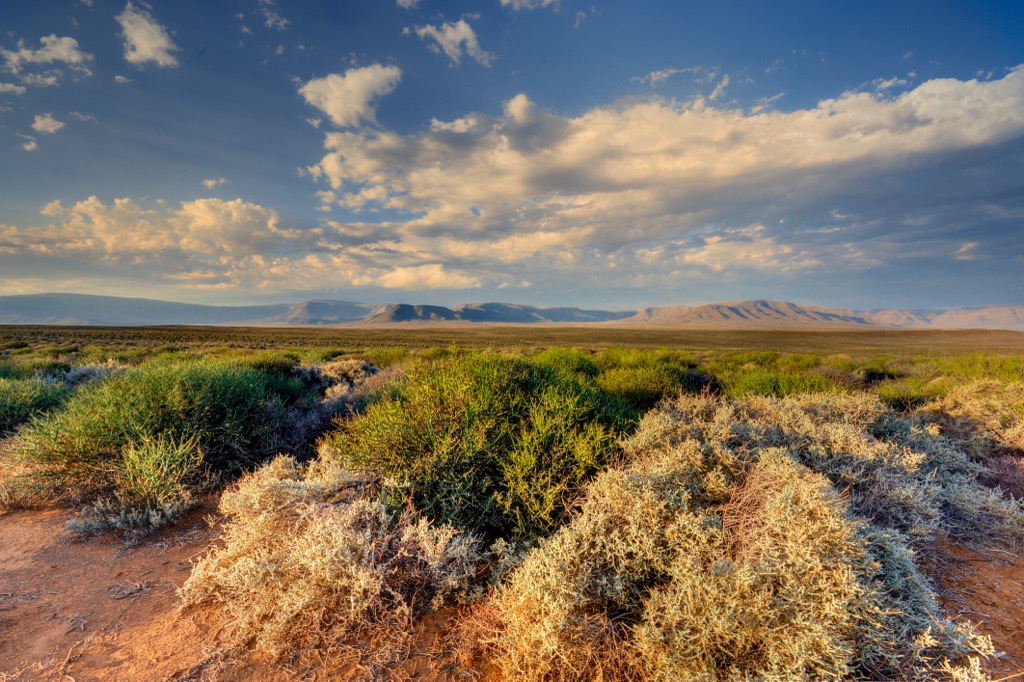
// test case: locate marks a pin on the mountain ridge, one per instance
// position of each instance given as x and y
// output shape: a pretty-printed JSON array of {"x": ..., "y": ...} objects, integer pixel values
[{"x": 85, "y": 309}]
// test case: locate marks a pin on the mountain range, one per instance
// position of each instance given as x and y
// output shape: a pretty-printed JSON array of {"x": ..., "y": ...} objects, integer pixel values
[{"x": 78, "y": 309}]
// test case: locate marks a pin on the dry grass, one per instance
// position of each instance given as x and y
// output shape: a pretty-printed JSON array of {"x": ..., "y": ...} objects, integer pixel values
[
  {"x": 350, "y": 578},
  {"x": 740, "y": 544}
]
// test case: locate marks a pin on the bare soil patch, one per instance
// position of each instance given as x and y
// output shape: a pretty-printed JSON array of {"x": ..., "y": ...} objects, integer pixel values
[{"x": 986, "y": 586}]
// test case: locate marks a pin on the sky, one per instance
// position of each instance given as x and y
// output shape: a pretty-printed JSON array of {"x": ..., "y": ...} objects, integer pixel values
[{"x": 600, "y": 153}]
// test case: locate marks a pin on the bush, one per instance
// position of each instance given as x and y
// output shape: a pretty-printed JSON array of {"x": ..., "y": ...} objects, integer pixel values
[
  {"x": 487, "y": 443},
  {"x": 351, "y": 577},
  {"x": 780, "y": 383},
  {"x": 23, "y": 399},
  {"x": 235, "y": 415},
  {"x": 719, "y": 553}
]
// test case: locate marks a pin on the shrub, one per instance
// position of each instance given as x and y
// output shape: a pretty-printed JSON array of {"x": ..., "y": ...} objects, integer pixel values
[
  {"x": 780, "y": 383},
  {"x": 487, "y": 443},
  {"x": 351, "y": 577},
  {"x": 235, "y": 415},
  {"x": 23, "y": 399},
  {"x": 567, "y": 361},
  {"x": 897, "y": 472},
  {"x": 719, "y": 554}
]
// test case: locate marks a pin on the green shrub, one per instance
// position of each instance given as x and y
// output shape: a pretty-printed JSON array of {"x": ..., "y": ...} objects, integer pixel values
[
  {"x": 385, "y": 357},
  {"x": 488, "y": 443},
  {"x": 567, "y": 361},
  {"x": 22, "y": 399},
  {"x": 780, "y": 383},
  {"x": 157, "y": 470},
  {"x": 235, "y": 414},
  {"x": 641, "y": 387}
]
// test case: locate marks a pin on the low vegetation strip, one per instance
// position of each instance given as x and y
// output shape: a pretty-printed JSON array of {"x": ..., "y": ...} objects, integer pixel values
[{"x": 611, "y": 514}]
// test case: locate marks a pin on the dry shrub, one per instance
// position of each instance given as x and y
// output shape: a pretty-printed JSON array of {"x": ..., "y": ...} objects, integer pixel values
[
  {"x": 899, "y": 472},
  {"x": 311, "y": 561},
  {"x": 985, "y": 419},
  {"x": 733, "y": 547}
]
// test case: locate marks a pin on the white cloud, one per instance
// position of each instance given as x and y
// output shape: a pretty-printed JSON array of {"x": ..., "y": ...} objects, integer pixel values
[
  {"x": 967, "y": 251},
  {"x": 122, "y": 80},
  {"x": 46, "y": 123},
  {"x": 217, "y": 244},
  {"x": 534, "y": 190},
  {"x": 347, "y": 99},
  {"x": 213, "y": 183},
  {"x": 408, "y": 4},
  {"x": 145, "y": 40},
  {"x": 450, "y": 38},
  {"x": 529, "y": 4},
  {"x": 30, "y": 144},
  {"x": 271, "y": 19},
  {"x": 12, "y": 88},
  {"x": 25, "y": 63},
  {"x": 427, "y": 276}
]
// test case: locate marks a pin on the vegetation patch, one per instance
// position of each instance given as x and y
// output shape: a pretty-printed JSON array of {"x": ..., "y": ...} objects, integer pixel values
[
  {"x": 726, "y": 551},
  {"x": 141, "y": 445},
  {"x": 488, "y": 443},
  {"x": 351, "y": 578}
]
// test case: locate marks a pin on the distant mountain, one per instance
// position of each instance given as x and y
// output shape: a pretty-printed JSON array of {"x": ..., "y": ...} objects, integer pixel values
[
  {"x": 760, "y": 314},
  {"x": 76, "y": 309},
  {"x": 325, "y": 312},
  {"x": 403, "y": 312},
  {"x": 79, "y": 309},
  {"x": 510, "y": 312}
]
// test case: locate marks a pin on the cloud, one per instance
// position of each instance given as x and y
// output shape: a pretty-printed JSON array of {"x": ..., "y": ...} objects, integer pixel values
[
  {"x": 122, "y": 80},
  {"x": 24, "y": 62},
  {"x": 529, "y": 4},
  {"x": 271, "y": 19},
  {"x": 347, "y": 99},
  {"x": 450, "y": 38},
  {"x": 408, "y": 4},
  {"x": 46, "y": 123},
  {"x": 427, "y": 276},
  {"x": 30, "y": 144},
  {"x": 214, "y": 244},
  {"x": 145, "y": 40},
  {"x": 213, "y": 183},
  {"x": 13, "y": 89},
  {"x": 840, "y": 185}
]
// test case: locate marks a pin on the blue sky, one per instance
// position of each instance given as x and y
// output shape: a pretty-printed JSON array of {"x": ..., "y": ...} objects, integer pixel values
[{"x": 599, "y": 154}]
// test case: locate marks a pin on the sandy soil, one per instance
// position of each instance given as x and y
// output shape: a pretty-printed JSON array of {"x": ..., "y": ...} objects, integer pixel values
[
  {"x": 96, "y": 608},
  {"x": 986, "y": 586}
]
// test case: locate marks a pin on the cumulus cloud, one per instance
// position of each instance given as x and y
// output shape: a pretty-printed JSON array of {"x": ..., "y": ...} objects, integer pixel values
[
  {"x": 690, "y": 199},
  {"x": 216, "y": 244},
  {"x": 40, "y": 67},
  {"x": 452, "y": 38},
  {"x": 13, "y": 89},
  {"x": 213, "y": 183},
  {"x": 532, "y": 190},
  {"x": 46, "y": 123},
  {"x": 30, "y": 144},
  {"x": 408, "y": 4},
  {"x": 122, "y": 80},
  {"x": 347, "y": 99},
  {"x": 529, "y": 4},
  {"x": 146, "y": 40},
  {"x": 427, "y": 276}
]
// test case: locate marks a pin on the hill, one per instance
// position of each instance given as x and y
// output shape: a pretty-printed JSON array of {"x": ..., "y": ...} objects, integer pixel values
[{"x": 78, "y": 309}]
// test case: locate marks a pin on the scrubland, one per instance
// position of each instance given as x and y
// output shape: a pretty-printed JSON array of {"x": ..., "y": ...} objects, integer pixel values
[{"x": 600, "y": 512}]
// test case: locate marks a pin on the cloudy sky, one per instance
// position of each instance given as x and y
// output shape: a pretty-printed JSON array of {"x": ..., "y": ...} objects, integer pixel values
[{"x": 598, "y": 153}]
